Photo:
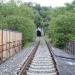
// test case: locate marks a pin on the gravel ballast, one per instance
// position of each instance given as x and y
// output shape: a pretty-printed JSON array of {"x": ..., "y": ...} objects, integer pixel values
[{"x": 13, "y": 65}]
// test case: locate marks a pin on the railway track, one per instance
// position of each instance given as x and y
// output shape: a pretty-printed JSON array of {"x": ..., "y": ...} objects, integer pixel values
[{"x": 40, "y": 61}]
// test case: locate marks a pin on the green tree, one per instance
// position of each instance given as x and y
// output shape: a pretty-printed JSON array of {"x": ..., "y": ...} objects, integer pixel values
[
  {"x": 62, "y": 29},
  {"x": 18, "y": 18}
]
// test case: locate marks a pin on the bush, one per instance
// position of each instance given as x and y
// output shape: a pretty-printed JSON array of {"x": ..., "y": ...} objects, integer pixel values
[
  {"x": 62, "y": 29},
  {"x": 18, "y": 18},
  {"x": 21, "y": 24}
]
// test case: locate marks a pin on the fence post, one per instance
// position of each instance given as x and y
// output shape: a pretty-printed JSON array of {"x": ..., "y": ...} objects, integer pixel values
[
  {"x": 73, "y": 47},
  {"x": 2, "y": 44},
  {"x": 1, "y": 47}
]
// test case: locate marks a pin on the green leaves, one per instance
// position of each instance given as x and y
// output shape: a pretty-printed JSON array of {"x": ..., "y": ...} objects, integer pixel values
[
  {"x": 42, "y": 17},
  {"x": 62, "y": 29},
  {"x": 18, "y": 18},
  {"x": 62, "y": 25}
]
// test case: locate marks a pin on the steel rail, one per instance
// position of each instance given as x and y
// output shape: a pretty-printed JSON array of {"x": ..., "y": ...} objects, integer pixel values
[
  {"x": 26, "y": 65},
  {"x": 52, "y": 55}
]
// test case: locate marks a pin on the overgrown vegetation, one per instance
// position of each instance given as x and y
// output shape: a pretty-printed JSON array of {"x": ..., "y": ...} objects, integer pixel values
[
  {"x": 58, "y": 23},
  {"x": 62, "y": 25},
  {"x": 18, "y": 18},
  {"x": 42, "y": 17}
]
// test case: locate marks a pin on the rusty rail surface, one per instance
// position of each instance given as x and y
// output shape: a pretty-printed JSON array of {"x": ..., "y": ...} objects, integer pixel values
[
  {"x": 53, "y": 58},
  {"x": 26, "y": 65}
]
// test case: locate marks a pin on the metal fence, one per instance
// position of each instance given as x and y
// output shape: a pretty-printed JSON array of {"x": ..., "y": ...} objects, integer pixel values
[
  {"x": 70, "y": 47},
  {"x": 10, "y": 44}
]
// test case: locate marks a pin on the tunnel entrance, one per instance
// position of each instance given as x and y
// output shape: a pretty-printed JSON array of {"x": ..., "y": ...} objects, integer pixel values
[{"x": 38, "y": 32}]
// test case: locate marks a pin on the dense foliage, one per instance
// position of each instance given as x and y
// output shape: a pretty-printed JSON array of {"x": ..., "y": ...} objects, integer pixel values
[
  {"x": 42, "y": 17},
  {"x": 62, "y": 29},
  {"x": 62, "y": 25},
  {"x": 58, "y": 23},
  {"x": 18, "y": 18}
]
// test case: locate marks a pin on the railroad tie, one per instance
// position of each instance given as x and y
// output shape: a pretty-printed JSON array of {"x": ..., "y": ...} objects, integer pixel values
[{"x": 42, "y": 64}]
